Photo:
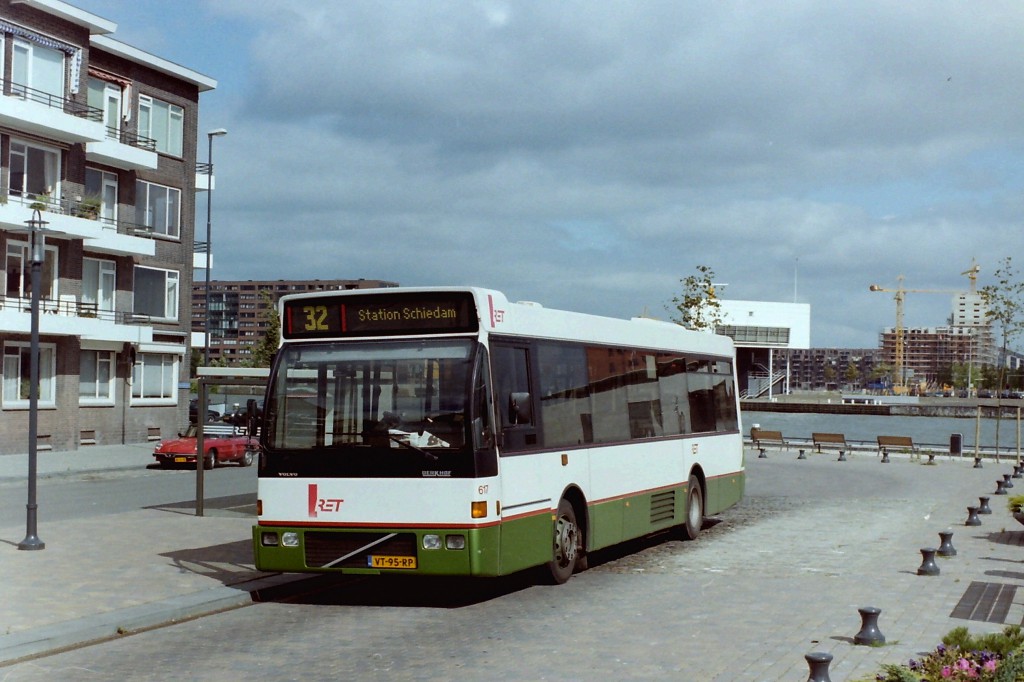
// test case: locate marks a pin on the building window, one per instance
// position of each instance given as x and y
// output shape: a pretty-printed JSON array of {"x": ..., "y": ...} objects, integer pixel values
[
  {"x": 35, "y": 172},
  {"x": 98, "y": 283},
  {"x": 37, "y": 67},
  {"x": 17, "y": 373},
  {"x": 103, "y": 186},
  {"x": 96, "y": 377},
  {"x": 163, "y": 122},
  {"x": 107, "y": 98},
  {"x": 156, "y": 293},
  {"x": 158, "y": 207},
  {"x": 19, "y": 271},
  {"x": 154, "y": 379}
]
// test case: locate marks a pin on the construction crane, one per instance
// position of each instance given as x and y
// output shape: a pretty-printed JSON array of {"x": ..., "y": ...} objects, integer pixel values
[{"x": 900, "y": 296}]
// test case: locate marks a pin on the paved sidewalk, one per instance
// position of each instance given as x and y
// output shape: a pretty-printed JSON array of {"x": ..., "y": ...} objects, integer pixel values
[{"x": 104, "y": 575}]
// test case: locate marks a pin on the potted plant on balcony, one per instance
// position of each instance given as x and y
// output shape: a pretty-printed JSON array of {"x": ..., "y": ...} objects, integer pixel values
[
  {"x": 41, "y": 203},
  {"x": 89, "y": 208}
]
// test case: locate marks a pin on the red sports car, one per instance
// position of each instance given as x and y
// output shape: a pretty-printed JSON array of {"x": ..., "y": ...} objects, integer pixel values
[{"x": 217, "y": 447}]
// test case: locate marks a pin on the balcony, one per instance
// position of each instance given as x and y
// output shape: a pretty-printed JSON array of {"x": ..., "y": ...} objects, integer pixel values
[
  {"x": 124, "y": 149},
  {"x": 77, "y": 219},
  {"x": 59, "y": 118},
  {"x": 204, "y": 177},
  {"x": 67, "y": 316}
]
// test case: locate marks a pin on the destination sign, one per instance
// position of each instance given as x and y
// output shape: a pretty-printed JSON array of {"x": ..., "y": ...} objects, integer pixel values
[{"x": 380, "y": 315}]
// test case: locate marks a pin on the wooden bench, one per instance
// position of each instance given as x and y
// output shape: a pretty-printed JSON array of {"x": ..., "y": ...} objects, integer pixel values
[
  {"x": 901, "y": 443},
  {"x": 762, "y": 438},
  {"x": 832, "y": 440}
]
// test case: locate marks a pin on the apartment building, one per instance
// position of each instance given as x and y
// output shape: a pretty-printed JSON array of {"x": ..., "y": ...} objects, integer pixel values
[
  {"x": 98, "y": 140},
  {"x": 238, "y": 312}
]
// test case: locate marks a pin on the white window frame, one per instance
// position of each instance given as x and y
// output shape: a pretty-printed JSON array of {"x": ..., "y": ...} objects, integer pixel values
[
  {"x": 171, "y": 293},
  {"x": 169, "y": 137},
  {"x": 106, "y": 97},
  {"x": 29, "y": 49},
  {"x": 103, "y": 391},
  {"x": 51, "y": 170},
  {"x": 147, "y": 214},
  {"x": 107, "y": 192},
  {"x": 155, "y": 373},
  {"x": 13, "y": 381},
  {"x": 103, "y": 291},
  {"x": 21, "y": 251}
]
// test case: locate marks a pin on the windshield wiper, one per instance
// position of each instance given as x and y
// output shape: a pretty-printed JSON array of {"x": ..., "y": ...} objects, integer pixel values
[{"x": 426, "y": 454}]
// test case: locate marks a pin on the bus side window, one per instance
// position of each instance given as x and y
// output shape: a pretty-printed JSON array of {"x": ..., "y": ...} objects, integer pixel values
[
  {"x": 519, "y": 410},
  {"x": 513, "y": 397}
]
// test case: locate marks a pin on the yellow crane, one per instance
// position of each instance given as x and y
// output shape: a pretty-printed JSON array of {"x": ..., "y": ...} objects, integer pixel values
[{"x": 900, "y": 296}]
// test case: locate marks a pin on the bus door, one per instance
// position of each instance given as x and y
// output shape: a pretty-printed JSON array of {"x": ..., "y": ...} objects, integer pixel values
[{"x": 513, "y": 396}]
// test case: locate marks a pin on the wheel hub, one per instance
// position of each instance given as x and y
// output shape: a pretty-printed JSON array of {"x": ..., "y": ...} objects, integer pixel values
[{"x": 566, "y": 542}]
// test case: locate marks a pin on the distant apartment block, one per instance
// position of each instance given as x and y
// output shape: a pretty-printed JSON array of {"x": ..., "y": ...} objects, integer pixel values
[
  {"x": 99, "y": 137},
  {"x": 238, "y": 316}
]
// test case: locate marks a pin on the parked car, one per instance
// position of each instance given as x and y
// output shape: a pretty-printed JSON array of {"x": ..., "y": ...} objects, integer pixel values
[
  {"x": 240, "y": 416},
  {"x": 193, "y": 412},
  {"x": 217, "y": 448}
]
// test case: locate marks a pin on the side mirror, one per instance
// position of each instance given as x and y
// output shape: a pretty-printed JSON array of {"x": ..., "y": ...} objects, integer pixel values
[{"x": 520, "y": 409}]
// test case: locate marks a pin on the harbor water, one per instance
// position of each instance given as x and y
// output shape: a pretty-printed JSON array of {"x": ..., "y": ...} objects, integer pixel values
[{"x": 933, "y": 432}]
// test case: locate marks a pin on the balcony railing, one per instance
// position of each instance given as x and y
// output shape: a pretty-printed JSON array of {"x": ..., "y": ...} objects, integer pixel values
[
  {"x": 68, "y": 106},
  {"x": 73, "y": 308},
  {"x": 131, "y": 139},
  {"x": 79, "y": 207}
]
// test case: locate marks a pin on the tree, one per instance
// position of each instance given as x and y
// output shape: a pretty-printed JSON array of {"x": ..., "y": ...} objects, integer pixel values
[
  {"x": 1004, "y": 308},
  {"x": 264, "y": 349},
  {"x": 852, "y": 373},
  {"x": 698, "y": 307}
]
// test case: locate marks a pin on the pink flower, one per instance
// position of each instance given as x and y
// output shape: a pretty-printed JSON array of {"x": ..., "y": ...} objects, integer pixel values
[
  {"x": 989, "y": 665},
  {"x": 947, "y": 671}
]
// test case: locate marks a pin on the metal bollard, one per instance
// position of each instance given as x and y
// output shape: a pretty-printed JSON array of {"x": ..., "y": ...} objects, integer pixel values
[
  {"x": 928, "y": 565},
  {"x": 869, "y": 633},
  {"x": 946, "y": 547},
  {"x": 972, "y": 517},
  {"x": 1000, "y": 487},
  {"x": 818, "y": 663},
  {"x": 762, "y": 455},
  {"x": 1007, "y": 483},
  {"x": 977, "y": 463},
  {"x": 885, "y": 456},
  {"x": 1017, "y": 473},
  {"x": 802, "y": 455},
  {"x": 983, "y": 508},
  {"x": 842, "y": 456},
  {"x": 931, "y": 458}
]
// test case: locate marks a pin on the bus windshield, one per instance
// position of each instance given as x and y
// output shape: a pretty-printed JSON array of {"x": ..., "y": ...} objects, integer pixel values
[{"x": 365, "y": 400}]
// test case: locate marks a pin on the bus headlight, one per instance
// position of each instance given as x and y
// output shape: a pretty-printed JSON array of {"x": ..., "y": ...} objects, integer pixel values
[
  {"x": 289, "y": 539},
  {"x": 268, "y": 539},
  {"x": 431, "y": 541},
  {"x": 455, "y": 541}
]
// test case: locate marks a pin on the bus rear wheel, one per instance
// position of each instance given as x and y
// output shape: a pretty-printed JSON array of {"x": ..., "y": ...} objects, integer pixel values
[
  {"x": 568, "y": 545},
  {"x": 694, "y": 509}
]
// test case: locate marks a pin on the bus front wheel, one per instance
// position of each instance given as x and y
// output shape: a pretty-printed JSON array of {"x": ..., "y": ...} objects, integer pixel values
[
  {"x": 568, "y": 544},
  {"x": 694, "y": 509}
]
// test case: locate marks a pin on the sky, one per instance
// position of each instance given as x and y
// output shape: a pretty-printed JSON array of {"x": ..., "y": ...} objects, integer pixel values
[{"x": 590, "y": 155}]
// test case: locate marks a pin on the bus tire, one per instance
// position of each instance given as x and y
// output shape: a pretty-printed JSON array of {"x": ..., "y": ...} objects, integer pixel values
[
  {"x": 694, "y": 509},
  {"x": 568, "y": 544}
]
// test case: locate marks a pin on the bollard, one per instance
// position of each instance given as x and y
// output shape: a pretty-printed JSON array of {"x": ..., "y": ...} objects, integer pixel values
[
  {"x": 818, "y": 664},
  {"x": 977, "y": 462},
  {"x": 762, "y": 455},
  {"x": 928, "y": 565},
  {"x": 983, "y": 508},
  {"x": 931, "y": 458},
  {"x": 972, "y": 517},
  {"x": 946, "y": 547},
  {"x": 842, "y": 456},
  {"x": 1000, "y": 487},
  {"x": 1017, "y": 471},
  {"x": 885, "y": 456},
  {"x": 869, "y": 633},
  {"x": 802, "y": 455},
  {"x": 1007, "y": 483}
]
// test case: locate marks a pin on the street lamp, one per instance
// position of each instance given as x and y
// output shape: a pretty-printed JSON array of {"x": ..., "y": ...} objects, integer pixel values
[
  {"x": 209, "y": 247},
  {"x": 35, "y": 226}
]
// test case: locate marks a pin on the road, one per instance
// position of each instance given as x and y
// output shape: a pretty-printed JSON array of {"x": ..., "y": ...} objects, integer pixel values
[{"x": 778, "y": 576}]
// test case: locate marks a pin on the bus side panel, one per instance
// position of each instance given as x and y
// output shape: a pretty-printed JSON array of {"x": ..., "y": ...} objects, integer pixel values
[
  {"x": 724, "y": 492},
  {"x": 606, "y": 524},
  {"x": 526, "y": 541},
  {"x": 722, "y": 460}
]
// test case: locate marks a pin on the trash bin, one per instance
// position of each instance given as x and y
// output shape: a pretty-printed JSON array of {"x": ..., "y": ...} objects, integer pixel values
[{"x": 956, "y": 444}]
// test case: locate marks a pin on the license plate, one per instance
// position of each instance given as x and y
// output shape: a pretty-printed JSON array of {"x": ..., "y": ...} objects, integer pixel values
[
  {"x": 180, "y": 459},
  {"x": 385, "y": 561}
]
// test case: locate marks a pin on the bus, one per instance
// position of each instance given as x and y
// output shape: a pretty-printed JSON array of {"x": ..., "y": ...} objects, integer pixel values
[{"x": 449, "y": 431}]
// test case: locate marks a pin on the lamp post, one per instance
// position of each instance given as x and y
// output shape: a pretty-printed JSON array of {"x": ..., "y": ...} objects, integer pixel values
[
  {"x": 35, "y": 226},
  {"x": 209, "y": 246}
]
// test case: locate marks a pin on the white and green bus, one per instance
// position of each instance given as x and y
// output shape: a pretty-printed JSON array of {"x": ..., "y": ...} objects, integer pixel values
[{"x": 448, "y": 431}]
